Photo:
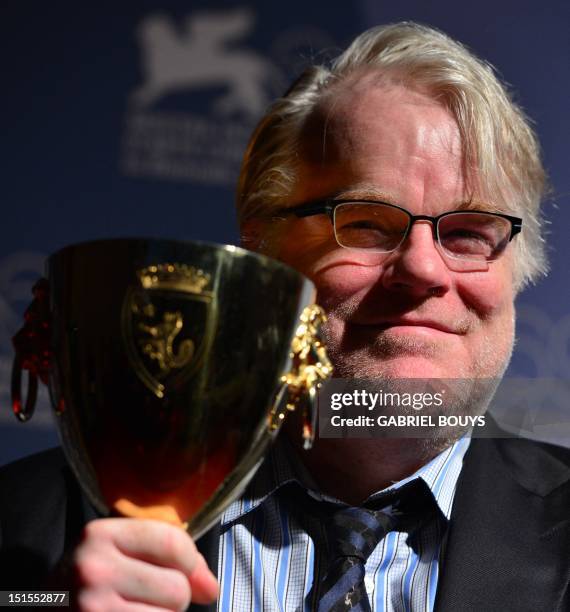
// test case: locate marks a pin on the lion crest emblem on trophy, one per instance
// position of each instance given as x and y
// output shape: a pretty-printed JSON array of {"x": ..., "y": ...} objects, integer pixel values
[{"x": 167, "y": 324}]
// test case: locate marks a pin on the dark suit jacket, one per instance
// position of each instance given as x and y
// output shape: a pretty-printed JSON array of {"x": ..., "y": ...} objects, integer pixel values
[{"x": 508, "y": 545}]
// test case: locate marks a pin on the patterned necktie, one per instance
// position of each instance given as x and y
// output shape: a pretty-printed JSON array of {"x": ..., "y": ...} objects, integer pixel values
[{"x": 352, "y": 534}]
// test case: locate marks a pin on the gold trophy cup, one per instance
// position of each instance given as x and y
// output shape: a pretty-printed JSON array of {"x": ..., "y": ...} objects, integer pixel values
[{"x": 171, "y": 366}]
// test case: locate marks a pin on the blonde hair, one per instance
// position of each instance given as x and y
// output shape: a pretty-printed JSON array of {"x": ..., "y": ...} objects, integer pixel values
[{"x": 499, "y": 146}]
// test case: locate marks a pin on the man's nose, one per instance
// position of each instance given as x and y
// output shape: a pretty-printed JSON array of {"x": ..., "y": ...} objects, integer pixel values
[{"x": 417, "y": 267}]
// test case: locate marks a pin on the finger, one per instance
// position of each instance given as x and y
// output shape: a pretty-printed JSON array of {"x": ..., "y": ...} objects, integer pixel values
[
  {"x": 204, "y": 585},
  {"x": 102, "y": 571},
  {"x": 150, "y": 584},
  {"x": 147, "y": 540},
  {"x": 98, "y": 601},
  {"x": 172, "y": 547}
]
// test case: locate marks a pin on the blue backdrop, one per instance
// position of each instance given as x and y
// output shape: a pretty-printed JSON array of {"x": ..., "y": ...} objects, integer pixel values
[{"x": 133, "y": 122}]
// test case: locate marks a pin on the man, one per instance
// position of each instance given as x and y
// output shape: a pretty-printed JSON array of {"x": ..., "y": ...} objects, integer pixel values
[{"x": 395, "y": 181}]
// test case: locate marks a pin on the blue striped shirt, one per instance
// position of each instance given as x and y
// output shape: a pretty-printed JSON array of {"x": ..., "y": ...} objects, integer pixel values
[{"x": 268, "y": 562}]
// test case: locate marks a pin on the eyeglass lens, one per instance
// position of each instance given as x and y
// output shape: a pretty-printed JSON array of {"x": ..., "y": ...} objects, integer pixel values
[{"x": 470, "y": 236}]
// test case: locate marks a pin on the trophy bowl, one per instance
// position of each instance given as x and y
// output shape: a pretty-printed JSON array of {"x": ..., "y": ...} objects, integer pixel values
[{"x": 171, "y": 366}]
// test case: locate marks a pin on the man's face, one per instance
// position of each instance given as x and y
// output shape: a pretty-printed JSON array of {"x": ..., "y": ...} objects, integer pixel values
[{"x": 402, "y": 314}]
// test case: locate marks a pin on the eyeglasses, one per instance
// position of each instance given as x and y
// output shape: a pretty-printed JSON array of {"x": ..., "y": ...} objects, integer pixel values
[{"x": 469, "y": 239}]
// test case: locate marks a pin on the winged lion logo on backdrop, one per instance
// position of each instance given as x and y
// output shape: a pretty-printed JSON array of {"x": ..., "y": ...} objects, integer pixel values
[{"x": 203, "y": 53}]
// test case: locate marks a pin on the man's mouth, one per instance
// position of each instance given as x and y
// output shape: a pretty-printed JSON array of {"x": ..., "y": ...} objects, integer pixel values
[{"x": 412, "y": 326}]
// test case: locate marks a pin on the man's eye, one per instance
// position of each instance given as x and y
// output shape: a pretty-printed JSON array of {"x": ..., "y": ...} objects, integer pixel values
[
  {"x": 468, "y": 241},
  {"x": 372, "y": 226},
  {"x": 363, "y": 224}
]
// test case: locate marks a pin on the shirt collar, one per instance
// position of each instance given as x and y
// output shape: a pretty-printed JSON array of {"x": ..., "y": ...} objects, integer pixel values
[
  {"x": 282, "y": 466},
  {"x": 440, "y": 475}
]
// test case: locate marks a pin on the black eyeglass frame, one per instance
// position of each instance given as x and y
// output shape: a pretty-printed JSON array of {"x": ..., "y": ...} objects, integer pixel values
[{"x": 329, "y": 206}]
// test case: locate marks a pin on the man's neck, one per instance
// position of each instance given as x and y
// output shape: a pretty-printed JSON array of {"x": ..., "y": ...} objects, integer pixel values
[{"x": 353, "y": 469}]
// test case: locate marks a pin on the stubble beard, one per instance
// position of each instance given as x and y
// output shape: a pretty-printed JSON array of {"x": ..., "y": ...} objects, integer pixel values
[{"x": 473, "y": 392}]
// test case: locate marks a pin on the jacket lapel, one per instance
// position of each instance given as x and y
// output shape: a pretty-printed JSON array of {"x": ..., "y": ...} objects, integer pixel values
[{"x": 508, "y": 545}]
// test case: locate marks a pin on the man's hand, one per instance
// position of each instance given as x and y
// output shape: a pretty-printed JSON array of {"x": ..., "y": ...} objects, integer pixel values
[{"x": 136, "y": 564}]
